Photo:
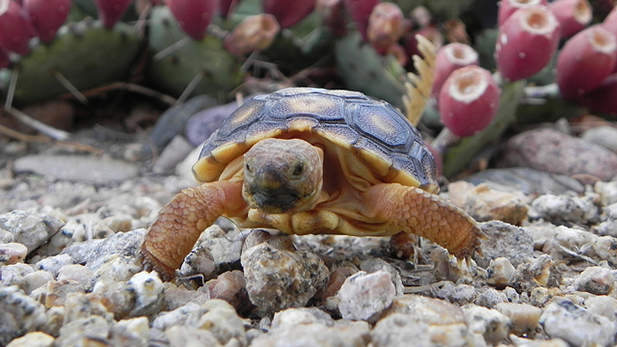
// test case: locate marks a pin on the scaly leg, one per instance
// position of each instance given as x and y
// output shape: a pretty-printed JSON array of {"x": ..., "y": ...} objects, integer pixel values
[
  {"x": 418, "y": 212},
  {"x": 179, "y": 224}
]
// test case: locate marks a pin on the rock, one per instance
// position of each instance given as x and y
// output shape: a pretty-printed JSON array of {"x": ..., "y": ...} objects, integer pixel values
[
  {"x": 364, "y": 296},
  {"x": 131, "y": 332},
  {"x": 187, "y": 336},
  {"x": 204, "y": 123},
  {"x": 574, "y": 324},
  {"x": 35, "y": 338},
  {"x": 173, "y": 154},
  {"x": 77, "y": 168},
  {"x": 82, "y": 306},
  {"x": 54, "y": 264},
  {"x": 489, "y": 297},
  {"x": 536, "y": 272},
  {"x": 518, "y": 341},
  {"x": 551, "y": 151},
  {"x": 296, "y": 316},
  {"x": 231, "y": 287},
  {"x": 79, "y": 273},
  {"x": 19, "y": 314},
  {"x": 398, "y": 330},
  {"x": 35, "y": 280},
  {"x": 562, "y": 209},
  {"x": 556, "y": 241},
  {"x": 602, "y": 305},
  {"x": 525, "y": 180},
  {"x": 149, "y": 293},
  {"x": 605, "y": 136},
  {"x": 225, "y": 246},
  {"x": 524, "y": 318},
  {"x": 500, "y": 272},
  {"x": 277, "y": 279},
  {"x": 429, "y": 310},
  {"x": 316, "y": 334},
  {"x": 119, "y": 295},
  {"x": 15, "y": 274},
  {"x": 595, "y": 280},
  {"x": 504, "y": 240},
  {"x": 30, "y": 229},
  {"x": 486, "y": 204},
  {"x": 336, "y": 280},
  {"x": 179, "y": 296},
  {"x": 376, "y": 264},
  {"x": 117, "y": 268},
  {"x": 54, "y": 293},
  {"x": 607, "y": 191},
  {"x": 492, "y": 324},
  {"x": 84, "y": 332},
  {"x": 11, "y": 253},
  {"x": 460, "y": 294},
  {"x": 602, "y": 248},
  {"x": 220, "y": 318},
  {"x": 199, "y": 262}
]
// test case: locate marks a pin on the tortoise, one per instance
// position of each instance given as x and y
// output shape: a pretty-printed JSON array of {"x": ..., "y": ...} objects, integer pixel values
[{"x": 312, "y": 161}]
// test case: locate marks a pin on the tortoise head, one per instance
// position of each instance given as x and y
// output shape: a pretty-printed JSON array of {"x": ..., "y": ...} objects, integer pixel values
[{"x": 283, "y": 176}]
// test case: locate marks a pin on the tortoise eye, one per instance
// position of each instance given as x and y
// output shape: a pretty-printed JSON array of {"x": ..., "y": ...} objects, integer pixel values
[{"x": 298, "y": 170}]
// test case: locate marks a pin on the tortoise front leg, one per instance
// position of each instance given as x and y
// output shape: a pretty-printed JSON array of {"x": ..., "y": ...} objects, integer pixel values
[
  {"x": 416, "y": 211},
  {"x": 179, "y": 224}
]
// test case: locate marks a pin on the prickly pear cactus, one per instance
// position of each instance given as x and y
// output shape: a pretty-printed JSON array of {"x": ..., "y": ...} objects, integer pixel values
[
  {"x": 85, "y": 54},
  {"x": 175, "y": 70}
]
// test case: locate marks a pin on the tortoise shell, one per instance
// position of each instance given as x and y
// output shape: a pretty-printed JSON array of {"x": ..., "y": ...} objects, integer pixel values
[{"x": 374, "y": 131}]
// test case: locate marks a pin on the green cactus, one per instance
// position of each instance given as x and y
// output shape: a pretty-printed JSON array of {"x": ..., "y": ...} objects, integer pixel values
[
  {"x": 172, "y": 72},
  {"x": 86, "y": 54}
]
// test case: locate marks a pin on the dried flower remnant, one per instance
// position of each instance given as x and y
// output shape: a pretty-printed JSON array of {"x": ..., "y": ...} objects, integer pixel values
[
  {"x": 288, "y": 13},
  {"x": 193, "y": 16},
  {"x": 47, "y": 16},
  {"x": 585, "y": 61},
  {"x": 508, "y": 7},
  {"x": 110, "y": 11},
  {"x": 15, "y": 29},
  {"x": 468, "y": 100},
  {"x": 573, "y": 15},
  {"x": 254, "y": 33},
  {"x": 451, "y": 57},
  {"x": 526, "y": 42},
  {"x": 385, "y": 27}
]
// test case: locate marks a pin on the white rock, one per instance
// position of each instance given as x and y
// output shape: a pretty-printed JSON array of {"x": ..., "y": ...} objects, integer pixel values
[
  {"x": 149, "y": 293},
  {"x": 79, "y": 273},
  {"x": 492, "y": 324},
  {"x": 31, "y": 229},
  {"x": 188, "y": 336},
  {"x": 35, "y": 280},
  {"x": 12, "y": 253},
  {"x": 574, "y": 324},
  {"x": 19, "y": 313},
  {"x": 595, "y": 280},
  {"x": 131, "y": 332},
  {"x": 355, "y": 334},
  {"x": 603, "y": 305},
  {"x": 32, "y": 339},
  {"x": 500, "y": 272},
  {"x": 14, "y": 274},
  {"x": 54, "y": 264},
  {"x": 364, "y": 296},
  {"x": 303, "y": 315},
  {"x": 523, "y": 317}
]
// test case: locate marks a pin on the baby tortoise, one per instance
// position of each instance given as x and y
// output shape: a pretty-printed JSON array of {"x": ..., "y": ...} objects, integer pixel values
[{"x": 312, "y": 161}]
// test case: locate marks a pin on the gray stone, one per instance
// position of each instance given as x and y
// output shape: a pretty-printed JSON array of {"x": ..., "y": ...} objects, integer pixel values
[
  {"x": 364, "y": 296},
  {"x": 492, "y": 324},
  {"x": 31, "y": 229},
  {"x": 316, "y": 334},
  {"x": 595, "y": 280},
  {"x": 563, "y": 209},
  {"x": 504, "y": 241},
  {"x": 605, "y": 136},
  {"x": 19, "y": 314}
]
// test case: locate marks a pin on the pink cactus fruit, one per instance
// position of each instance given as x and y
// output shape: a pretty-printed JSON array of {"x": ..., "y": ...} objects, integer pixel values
[
  {"x": 585, "y": 61},
  {"x": 15, "y": 29},
  {"x": 572, "y": 15},
  {"x": 332, "y": 13},
  {"x": 602, "y": 98},
  {"x": 411, "y": 43},
  {"x": 451, "y": 57},
  {"x": 254, "y": 33},
  {"x": 610, "y": 22},
  {"x": 386, "y": 25},
  {"x": 508, "y": 7},
  {"x": 193, "y": 16},
  {"x": 526, "y": 42},
  {"x": 468, "y": 100},
  {"x": 226, "y": 7},
  {"x": 287, "y": 12},
  {"x": 47, "y": 16},
  {"x": 361, "y": 12},
  {"x": 110, "y": 11}
]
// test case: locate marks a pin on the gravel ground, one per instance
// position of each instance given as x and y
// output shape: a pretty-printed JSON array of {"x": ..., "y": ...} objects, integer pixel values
[{"x": 71, "y": 221}]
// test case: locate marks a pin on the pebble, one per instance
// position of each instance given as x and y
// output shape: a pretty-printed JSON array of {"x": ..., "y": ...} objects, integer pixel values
[
  {"x": 12, "y": 253},
  {"x": 76, "y": 168},
  {"x": 605, "y": 136},
  {"x": 131, "y": 332},
  {"x": 231, "y": 287},
  {"x": 524, "y": 318},
  {"x": 500, "y": 272},
  {"x": 568, "y": 210},
  {"x": 315, "y": 334},
  {"x": 19, "y": 314},
  {"x": 603, "y": 305},
  {"x": 199, "y": 262},
  {"x": 425, "y": 309},
  {"x": 575, "y": 325},
  {"x": 14, "y": 274},
  {"x": 492, "y": 324},
  {"x": 607, "y": 191},
  {"x": 304, "y": 315},
  {"x": 35, "y": 280},
  {"x": 364, "y": 296},
  {"x": 188, "y": 336},
  {"x": 90, "y": 331},
  {"x": 536, "y": 272},
  {"x": 30, "y": 229},
  {"x": 36, "y": 338},
  {"x": 220, "y": 318},
  {"x": 486, "y": 204},
  {"x": 595, "y": 280},
  {"x": 179, "y": 296},
  {"x": 78, "y": 273},
  {"x": 149, "y": 293},
  {"x": 551, "y": 151},
  {"x": 225, "y": 246},
  {"x": 119, "y": 295},
  {"x": 278, "y": 279},
  {"x": 83, "y": 305},
  {"x": 504, "y": 241},
  {"x": 172, "y": 155}
]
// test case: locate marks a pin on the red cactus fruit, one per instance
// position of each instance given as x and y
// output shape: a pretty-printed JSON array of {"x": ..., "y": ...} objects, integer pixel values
[
  {"x": 585, "y": 61},
  {"x": 15, "y": 29},
  {"x": 47, "y": 16},
  {"x": 360, "y": 12},
  {"x": 332, "y": 13},
  {"x": 288, "y": 13},
  {"x": 254, "y": 33},
  {"x": 451, "y": 57},
  {"x": 526, "y": 42},
  {"x": 572, "y": 15},
  {"x": 385, "y": 26},
  {"x": 468, "y": 100},
  {"x": 4, "y": 59},
  {"x": 193, "y": 16},
  {"x": 508, "y": 7},
  {"x": 602, "y": 98},
  {"x": 411, "y": 43},
  {"x": 110, "y": 11},
  {"x": 226, "y": 7}
]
